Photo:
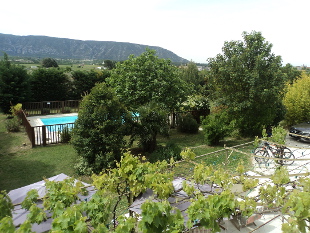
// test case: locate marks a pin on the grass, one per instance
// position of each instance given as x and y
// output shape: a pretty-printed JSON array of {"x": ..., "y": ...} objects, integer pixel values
[
  {"x": 73, "y": 67},
  {"x": 22, "y": 165},
  {"x": 209, "y": 155}
]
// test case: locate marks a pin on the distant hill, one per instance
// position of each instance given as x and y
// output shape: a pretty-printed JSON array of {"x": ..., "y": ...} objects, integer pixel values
[{"x": 61, "y": 48}]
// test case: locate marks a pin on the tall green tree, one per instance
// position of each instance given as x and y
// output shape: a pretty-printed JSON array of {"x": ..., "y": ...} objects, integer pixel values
[
  {"x": 190, "y": 74},
  {"x": 291, "y": 73},
  {"x": 98, "y": 135},
  {"x": 297, "y": 100},
  {"x": 49, "y": 62},
  {"x": 49, "y": 85},
  {"x": 147, "y": 78},
  {"x": 152, "y": 121},
  {"x": 247, "y": 78},
  {"x": 84, "y": 81},
  {"x": 109, "y": 64},
  {"x": 14, "y": 84}
]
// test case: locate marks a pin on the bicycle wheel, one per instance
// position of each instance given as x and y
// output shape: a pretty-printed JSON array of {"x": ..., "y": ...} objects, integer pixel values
[
  {"x": 287, "y": 154},
  {"x": 284, "y": 153},
  {"x": 261, "y": 151}
]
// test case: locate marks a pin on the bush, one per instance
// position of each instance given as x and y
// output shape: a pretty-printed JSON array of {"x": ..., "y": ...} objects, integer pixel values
[
  {"x": 13, "y": 124},
  {"x": 216, "y": 127},
  {"x": 167, "y": 152},
  {"x": 98, "y": 135},
  {"x": 65, "y": 135},
  {"x": 187, "y": 124},
  {"x": 82, "y": 168},
  {"x": 45, "y": 111},
  {"x": 66, "y": 110},
  {"x": 49, "y": 62},
  {"x": 16, "y": 110}
]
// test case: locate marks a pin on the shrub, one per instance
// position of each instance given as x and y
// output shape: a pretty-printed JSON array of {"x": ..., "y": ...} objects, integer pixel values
[
  {"x": 82, "y": 168},
  {"x": 45, "y": 111},
  {"x": 13, "y": 124},
  {"x": 187, "y": 124},
  {"x": 98, "y": 134},
  {"x": 216, "y": 127},
  {"x": 49, "y": 62},
  {"x": 171, "y": 150},
  {"x": 65, "y": 135},
  {"x": 16, "y": 110},
  {"x": 66, "y": 110}
]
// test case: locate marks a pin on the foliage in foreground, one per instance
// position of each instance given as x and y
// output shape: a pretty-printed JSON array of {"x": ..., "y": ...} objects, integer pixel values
[{"x": 133, "y": 176}]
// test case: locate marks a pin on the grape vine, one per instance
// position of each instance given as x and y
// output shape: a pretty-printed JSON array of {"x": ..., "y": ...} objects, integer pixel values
[{"x": 118, "y": 188}]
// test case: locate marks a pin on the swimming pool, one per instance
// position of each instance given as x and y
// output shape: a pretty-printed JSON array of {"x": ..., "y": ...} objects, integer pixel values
[
  {"x": 58, "y": 120},
  {"x": 57, "y": 124}
]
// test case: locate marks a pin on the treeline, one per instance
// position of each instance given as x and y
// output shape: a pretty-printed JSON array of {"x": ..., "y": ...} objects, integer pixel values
[{"x": 17, "y": 85}]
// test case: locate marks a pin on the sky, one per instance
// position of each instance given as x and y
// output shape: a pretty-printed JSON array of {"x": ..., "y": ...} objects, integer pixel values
[{"x": 193, "y": 29}]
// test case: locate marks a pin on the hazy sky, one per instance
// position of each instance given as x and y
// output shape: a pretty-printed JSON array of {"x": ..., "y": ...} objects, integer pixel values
[{"x": 193, "y": 29}]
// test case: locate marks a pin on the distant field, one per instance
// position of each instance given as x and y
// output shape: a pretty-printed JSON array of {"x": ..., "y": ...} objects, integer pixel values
[{"x": 73, "y": 67}]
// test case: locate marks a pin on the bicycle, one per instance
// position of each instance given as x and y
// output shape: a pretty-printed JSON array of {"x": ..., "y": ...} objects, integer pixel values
[{"x": 268, "y": 150}]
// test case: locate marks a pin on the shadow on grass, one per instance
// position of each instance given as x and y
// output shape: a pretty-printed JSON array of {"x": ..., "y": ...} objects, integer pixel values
[
  {"x": 20, "y": 169},
  {"x": 16, "y": 172}
]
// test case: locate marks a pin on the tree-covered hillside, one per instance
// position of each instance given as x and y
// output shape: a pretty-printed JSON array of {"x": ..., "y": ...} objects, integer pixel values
[{"x": 43, "y": 46}]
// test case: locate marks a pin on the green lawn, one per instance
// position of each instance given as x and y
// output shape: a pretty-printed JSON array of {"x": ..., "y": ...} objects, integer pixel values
[
  {"x": 21, "y": 165},
  {"x": 204, "y": 153},
  {"x": 73, "y": 67}
]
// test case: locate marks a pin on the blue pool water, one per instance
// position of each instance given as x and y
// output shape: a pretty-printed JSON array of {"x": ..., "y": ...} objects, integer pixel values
[{"x": 58, "y": 120}]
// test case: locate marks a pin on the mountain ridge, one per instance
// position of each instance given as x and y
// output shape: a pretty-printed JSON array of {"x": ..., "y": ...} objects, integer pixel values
[{"x": 64, "y": 48}]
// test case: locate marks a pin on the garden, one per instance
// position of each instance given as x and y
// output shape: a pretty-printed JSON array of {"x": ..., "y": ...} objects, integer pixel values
[
  {"x": 20, "y": 165},
  {"x": 245, "y": 92}
]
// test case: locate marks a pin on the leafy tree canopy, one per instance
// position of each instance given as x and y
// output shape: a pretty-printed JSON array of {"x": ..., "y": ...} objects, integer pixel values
[
  {"x": 152, "y": 121},
  {"x": 84, "y": 81},
  {"x": 98, "y": 135},
  {"x": 109, "y": 64},
  {"x": 297, "y": 100},
  {"x": 190, "y": 74},
  {"x": 14, "y": 84},
  {"x": 49, "y": 84},
  {"x": 49, "y": 62},
  {"x": 290, "y": 73},
  {"x": 146, "y": 78},
  {"x": 247, "y": 78}
]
